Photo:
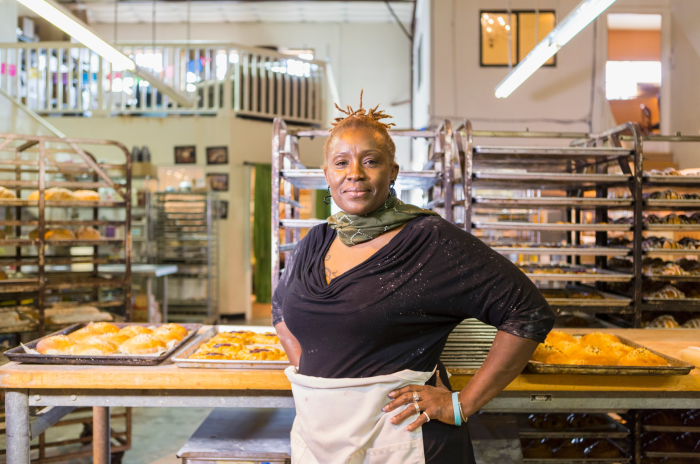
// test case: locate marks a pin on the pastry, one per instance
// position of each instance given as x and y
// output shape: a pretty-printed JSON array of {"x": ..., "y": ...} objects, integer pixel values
[
  {"x": 543, "y": 351},
  {"x": 6, "y": 194},
  {"x": 666, "y": 292},
  {"x": 166, "y": 334},
  {"x": 199, "y": 355},
  {"x": 269, "y": 338},
  {"x": 573, "y": 449},
  {"x": 692, "y": 323},
  {"x": 58, "y": 344},
  {"x": 257, "y": 354},
  {"x": 177, "y": 328},
  {"x": 603, "y": 449},
  {"x": 86, "y": 195},
  {"x": 568, "y": 348},
  {"x": 617, "y": 349},
  {"x": 535, "y": 420},
  {"x": 556, "y": 336},
  {"x": 230, "y": 349},
  {"x": 663, "y": 322},
  {"x": 142, "y": 343},
  {"x": 102, "y": 327},
  {"x": 54, "y": 193},
  {"x": 598, "y": 339},
  {"x": 115, "y": 338},
  {"x": 242, "y": 335},
  {"x": 133, "y": 330},
  {"x": 586, "y": 421},
  {"x": 593, "y": 356},
  {"x": 93, "y": 347},
  {"x": 642, "y": 357},
  {"x": 87, "y": 233},
  {"x": 662, "y": 443},
  {"x": 81, "y": 335},
  {"x": 59, "y": 234},
  {"x": 538, "y": 450}
]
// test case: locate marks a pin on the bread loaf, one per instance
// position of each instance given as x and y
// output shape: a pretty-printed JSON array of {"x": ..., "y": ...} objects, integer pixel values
[
  {"x": 102, "y": 328},
  {"x": 59, "y": 234},
  {"x": 642, "y": 357},
  {"x": 86, "y": 195},
  {"x": 115, "y": 338},
  {"x": 55, "y": 194},
  {"x": 133, "y": 330},
  {"x": 166, "y": 334},
  {"x": 94, "y": 347},
  {"x": 81, "y": 335},
  {"x": 58, "y": 344},
  {"x": 6, "y": 194},
  {"x": 87, "y": 233},
  {"x": 142, "y": 343}
]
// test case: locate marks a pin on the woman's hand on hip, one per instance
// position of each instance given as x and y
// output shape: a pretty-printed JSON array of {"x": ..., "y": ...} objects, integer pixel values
[{"x": 436, "y": 402}]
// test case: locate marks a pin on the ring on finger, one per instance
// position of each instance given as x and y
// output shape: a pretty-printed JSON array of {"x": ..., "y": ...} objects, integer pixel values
[
  {"x": 426, "y": 416},
  {"x": 416, "y": 397},
  {"x": 415, "y": 405}
]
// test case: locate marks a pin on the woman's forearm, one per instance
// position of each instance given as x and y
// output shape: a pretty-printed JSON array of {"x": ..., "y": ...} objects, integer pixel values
[
  {"x": 289, "y": 343},
  {"x": 507, "y": 358}
]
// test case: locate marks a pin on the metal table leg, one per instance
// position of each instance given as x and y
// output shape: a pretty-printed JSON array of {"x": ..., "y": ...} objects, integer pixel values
[
  {"x": 149, "y": 297},
  {"x": 17, "y": 423},
  {"x": 101, "y": 435},
  {"x": 165, "y": 299}
]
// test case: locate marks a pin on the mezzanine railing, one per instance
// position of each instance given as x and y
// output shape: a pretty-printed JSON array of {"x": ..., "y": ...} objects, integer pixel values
[{"x": 67, "y": 78}]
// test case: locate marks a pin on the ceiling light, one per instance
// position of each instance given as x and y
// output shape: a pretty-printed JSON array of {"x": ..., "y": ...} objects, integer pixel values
[
  {"x": 74, "y": 29},
  {"x": 575, "y": 22}
]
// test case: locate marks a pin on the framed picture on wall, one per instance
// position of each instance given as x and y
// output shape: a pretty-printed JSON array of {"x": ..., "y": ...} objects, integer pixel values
[
  {"x": 218, "y": 182},
  {"x": 217, "y": 155},
  {"x": 223, "y": 209},
  {"x": 186, "y": 155}
]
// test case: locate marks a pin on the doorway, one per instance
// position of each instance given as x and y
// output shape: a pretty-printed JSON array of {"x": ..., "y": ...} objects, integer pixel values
[{"x": 633, "y": 69}]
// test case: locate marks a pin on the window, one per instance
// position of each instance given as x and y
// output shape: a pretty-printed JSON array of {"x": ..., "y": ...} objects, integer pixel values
[{"x": 525, "y": 29}]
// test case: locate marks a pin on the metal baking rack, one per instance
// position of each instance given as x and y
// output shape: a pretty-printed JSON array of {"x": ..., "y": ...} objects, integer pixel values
[
  {"x": 186, "y": 230},
  {"x": 47, "y": 270},
  {"x": 289, "y": 176},
  {"x": 640, "y": 428},
  {"x": 526, "y": 182},
  {"x": 689, "y": 184}
]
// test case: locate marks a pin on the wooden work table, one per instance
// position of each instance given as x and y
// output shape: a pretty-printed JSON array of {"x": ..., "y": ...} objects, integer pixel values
[{"x": 67, "y": 387}]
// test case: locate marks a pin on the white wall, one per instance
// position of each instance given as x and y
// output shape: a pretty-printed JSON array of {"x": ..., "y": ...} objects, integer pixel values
[{"x": 8, "y": 21}]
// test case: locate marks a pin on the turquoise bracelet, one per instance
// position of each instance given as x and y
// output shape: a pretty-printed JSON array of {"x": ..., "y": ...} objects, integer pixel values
[{"x": 455, "y": 405}]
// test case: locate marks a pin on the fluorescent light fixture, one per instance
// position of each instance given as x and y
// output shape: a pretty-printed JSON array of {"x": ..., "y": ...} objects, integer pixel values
[
  {"x": 575, "y": 22},
  {"x": 79, "y": 32}
]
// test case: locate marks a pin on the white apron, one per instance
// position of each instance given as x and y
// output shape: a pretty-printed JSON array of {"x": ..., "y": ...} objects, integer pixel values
[{"x": 340, "y": 421}]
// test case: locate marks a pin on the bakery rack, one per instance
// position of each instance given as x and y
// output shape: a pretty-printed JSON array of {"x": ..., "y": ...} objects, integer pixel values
[
  {"x": 187, "y": 231},
  {"x": 622, "y": 136},
  {"x": 289, "y": 176},
  {"x": 521, "y": 187},
  {"x": 52, "y": 272}
]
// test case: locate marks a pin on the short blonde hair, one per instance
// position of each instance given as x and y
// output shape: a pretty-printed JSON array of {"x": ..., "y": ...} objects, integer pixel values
[{"x": 362, "y": 119}]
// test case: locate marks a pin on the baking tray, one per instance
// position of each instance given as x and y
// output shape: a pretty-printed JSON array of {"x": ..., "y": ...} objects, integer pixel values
[
  {"x": 670, "y": 428},
  {"x": 684, "y": 204},
  {"x": 673, "y": 300},
  {"x": 676, "y": 367},
  {"x": 602, "y": 275},
  {"x": 571, "y": 251},
  {"x": 611, "y": 429},
  {"x": 609, "y": 299},
  {"x": 180, "y": 358},
  {"x": 676, "y": 251},
  {"x": 672, "y": 227},
  {"x": 668, "y": 278},
  {"x": 551, "y": 226},
  {"x": 19, "y": 355},
  {"x": 669, "y": 180},
  {"x": 539, "y": 202},
  {"x": 669, "y": 454}
]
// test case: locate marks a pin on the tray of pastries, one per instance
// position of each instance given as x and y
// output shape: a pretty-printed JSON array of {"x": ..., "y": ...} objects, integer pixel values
[
  {"x": 551, "y": 425},
  {"x": 671, "y": 175},
  {"x": 681, "y": 269},
  {"x": 678, "y": 291},
  {"x": 667, "y": 321},
  {"x": 601, "y": 353},
  {"x": 675, "y": 421},
  {"x": 672, "y": 445},
  {"x": 670, "y": 198},
  {"x": 234, "y": 347},
  {"x": 106, "y": 343},
  {"x": 581, "y": 295},
  {"x": 663, "y": 245},
  {"x": 573, "y": 451},
  {"x": 672, "y": 222},
  {"x": 568, "y": 272}
]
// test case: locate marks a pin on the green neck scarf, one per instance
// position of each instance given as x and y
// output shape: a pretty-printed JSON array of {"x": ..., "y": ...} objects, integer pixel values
[{"x": 353, "y": 230}]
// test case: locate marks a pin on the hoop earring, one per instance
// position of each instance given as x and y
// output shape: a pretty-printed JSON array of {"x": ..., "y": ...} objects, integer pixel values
[
  {"x": 327, "y": 200},
  {"x": 392, "y": 191}
]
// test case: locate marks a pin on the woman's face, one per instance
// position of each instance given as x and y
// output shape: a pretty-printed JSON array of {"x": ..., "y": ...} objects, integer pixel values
[{"x": 359, "y": 171}]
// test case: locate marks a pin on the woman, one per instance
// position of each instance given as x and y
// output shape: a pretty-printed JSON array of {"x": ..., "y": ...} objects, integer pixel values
[{"x": 365, "y": 306}]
